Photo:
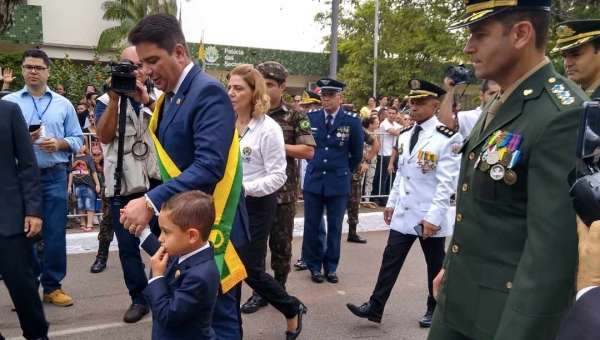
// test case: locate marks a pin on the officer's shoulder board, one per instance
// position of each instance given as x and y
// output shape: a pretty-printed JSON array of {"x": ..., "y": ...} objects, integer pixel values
[
  {"x": 351, "y": 114},
  {"x": 564, "y": 94},
  {"x": 313, "y": 111},
  {"x": 444, "y": 130},
  {"x": 407, "y": 128}
]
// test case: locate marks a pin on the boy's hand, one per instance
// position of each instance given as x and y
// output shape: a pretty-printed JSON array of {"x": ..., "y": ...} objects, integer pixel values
[
  {"x": 70, "y": 189},
  {"x": 159, "y": 262},
  {"x": 98, "y": 189}
]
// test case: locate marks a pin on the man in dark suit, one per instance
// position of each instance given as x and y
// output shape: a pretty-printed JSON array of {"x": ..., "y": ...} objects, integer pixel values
[
  {"x": 339, "y": 137},
  {"x": 20, "y": 213},
  {"x": 583, "y": 320},
  {"x": 196, "y": 127}
]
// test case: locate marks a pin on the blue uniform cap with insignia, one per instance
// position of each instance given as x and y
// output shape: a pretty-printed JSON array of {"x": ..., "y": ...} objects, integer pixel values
[
  {"x": 571, "y": 34},
  {"x": 477, "y": 10},
  {"x": 423, "y": 89},
  {"x": 329, "y": 85}
]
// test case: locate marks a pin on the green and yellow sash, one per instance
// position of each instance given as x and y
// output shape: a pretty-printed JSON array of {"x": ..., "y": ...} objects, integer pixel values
[{"x": 226, "y": 197}]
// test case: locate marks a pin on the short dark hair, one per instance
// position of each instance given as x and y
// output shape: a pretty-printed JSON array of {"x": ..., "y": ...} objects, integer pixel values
[
  {"x": 540, "y": 20},
  {"x": 393, "y": 108},
  {"x": 36, "y": 53},
  {"x": 192, "y": 209},
  {"x": 161, "y": 29},
  {"x": 485, "y": 85},
  {"x": 368, "y": 121},
  {"x": 381, "y": 97},
  {"x": 596, "y": 44}
]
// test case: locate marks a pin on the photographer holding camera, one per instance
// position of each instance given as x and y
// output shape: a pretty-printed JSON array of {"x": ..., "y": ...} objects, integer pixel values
[
  {"x": 463, "y": 121},
  {"x": 139, "y": 166}
]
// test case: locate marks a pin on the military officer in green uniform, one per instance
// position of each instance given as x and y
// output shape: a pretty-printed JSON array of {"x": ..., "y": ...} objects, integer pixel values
[
  {"x": 299, "y": 144},
  {"x": 579, "y": 43},
  {"x": 510, "y": 270}
]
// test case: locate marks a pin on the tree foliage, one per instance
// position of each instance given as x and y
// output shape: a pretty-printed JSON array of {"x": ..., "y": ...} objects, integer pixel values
[
  {"x": 128, "y": 13},
  {"x": 413, "y": 41},
  {"x": 6, "y": 9}
]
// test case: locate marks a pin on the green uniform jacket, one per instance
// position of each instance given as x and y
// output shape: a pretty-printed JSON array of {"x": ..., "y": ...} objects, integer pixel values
[{"x": 510, "y": 268}]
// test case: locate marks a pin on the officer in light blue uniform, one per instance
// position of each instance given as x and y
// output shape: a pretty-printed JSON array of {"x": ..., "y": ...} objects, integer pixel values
[{"x": 339, "y": 138}]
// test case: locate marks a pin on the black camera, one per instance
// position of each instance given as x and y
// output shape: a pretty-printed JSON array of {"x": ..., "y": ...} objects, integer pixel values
[
  {"x": 459, "y": 74},
  {"x": 122, "y": 79}
]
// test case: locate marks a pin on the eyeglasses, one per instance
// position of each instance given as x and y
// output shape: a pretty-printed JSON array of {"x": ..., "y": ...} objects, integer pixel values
[{"x": 30, "y": 68}]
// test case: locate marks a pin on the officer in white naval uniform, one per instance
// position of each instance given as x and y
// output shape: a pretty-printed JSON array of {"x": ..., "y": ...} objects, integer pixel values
[{"x": 428, "y": 166}]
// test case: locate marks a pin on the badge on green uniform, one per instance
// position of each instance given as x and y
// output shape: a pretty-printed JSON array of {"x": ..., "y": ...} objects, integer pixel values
[{"x": 305, "y": 124}]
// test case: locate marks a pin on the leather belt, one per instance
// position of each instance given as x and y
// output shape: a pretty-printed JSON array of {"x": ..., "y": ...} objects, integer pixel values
[{"x": 55, "y": 167}]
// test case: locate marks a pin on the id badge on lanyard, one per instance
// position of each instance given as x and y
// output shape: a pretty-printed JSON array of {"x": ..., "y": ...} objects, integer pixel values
[{"x": 37, "y": 112}]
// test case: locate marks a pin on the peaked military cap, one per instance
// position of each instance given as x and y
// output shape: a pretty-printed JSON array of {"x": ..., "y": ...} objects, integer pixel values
[
  {"x": 329, "y": 85},
  {"x": 309, "y": 97},
  {"x": 574, "y": 33},
  {"x": 423, "y": 89},
  {"x": 477, "y": 10},
  {"x": 273, "y": 70}
]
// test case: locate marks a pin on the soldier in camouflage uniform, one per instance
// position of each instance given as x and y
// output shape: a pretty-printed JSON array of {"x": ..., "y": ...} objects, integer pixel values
[
  {"x": 299, "y": 144},
  {"x": 355, "y": 184},
  {"x": 105, "y": 237}
]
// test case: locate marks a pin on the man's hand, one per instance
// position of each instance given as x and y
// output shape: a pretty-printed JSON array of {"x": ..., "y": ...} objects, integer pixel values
[
  {"x": 136, "y": 216},
  {"x": 141, "y": 94},
  {"x": 35, "y": 135},
  {"x": 387, "y": 215},
  {"x": 98, "y": 189},
  {"x": 33, "y": 225},
  {"x": 390, "y": 169},
  {"x": 449, "y": 85},
  {"x": 429, "y": 230},
  {"x": 7, "y": 75},
  {"x": 159, "y": 261},
  {"x": 588, "y": 273},
  {"x": 364, "y": 167},
  {"x": 112, "y": 95},
  {"x": 437, "y": 283},
  {"x": 69, "y": 189},
  {"x": 49, "y": 144}
]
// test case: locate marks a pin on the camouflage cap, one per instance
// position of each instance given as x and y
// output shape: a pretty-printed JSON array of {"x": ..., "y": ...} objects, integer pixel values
[{"x": 273, "y": 70}]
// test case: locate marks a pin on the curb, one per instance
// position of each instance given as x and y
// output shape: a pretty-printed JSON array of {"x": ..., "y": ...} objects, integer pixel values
[{"x": 373, "y": 221}]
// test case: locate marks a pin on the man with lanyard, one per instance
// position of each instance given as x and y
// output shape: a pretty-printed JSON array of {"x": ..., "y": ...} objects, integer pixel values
[
  {"x": 579, "y": 44},
  {"x": 299, "y": 144},
  {"x": 56, "y": 134}
]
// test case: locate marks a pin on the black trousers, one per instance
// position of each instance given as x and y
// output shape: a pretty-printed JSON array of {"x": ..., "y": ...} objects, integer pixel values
[
  {"x": 16, "y": 268},
  {"x": 261, "y": 212},
  {"x": 394, "y": 255}
]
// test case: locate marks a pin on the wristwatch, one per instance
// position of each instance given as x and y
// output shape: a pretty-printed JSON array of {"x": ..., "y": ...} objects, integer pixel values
[
  {"x": 149, "y": 205},
  {"x": 150, "y": 102}
]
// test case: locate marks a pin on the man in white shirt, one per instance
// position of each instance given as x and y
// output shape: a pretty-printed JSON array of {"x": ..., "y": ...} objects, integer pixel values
[
  {"x": 464, "y": 120},
  {"x": 389, "y": 130}
]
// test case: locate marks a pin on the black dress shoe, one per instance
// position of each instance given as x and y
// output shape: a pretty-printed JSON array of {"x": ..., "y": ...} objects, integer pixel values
[
  {"x": 355, "y": 238},
  {"x": 98, "y": 266},
  {"x": 332, "y": 277},
  {"x": 365, "y": 311},
  {"x": 253, "y": 304},
  {"x": 301, "y": 265},
  {"x": 292, "y": 335},
  {"x": 316, "y": 276},
  {"x": 135, "y": 312},
  {"x": 426, "y": 319}
]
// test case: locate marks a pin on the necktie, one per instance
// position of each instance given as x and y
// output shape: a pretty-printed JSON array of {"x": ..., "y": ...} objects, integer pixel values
[
  {"x": 414, "y": 138},
  {"x": 168, "y": 100},
  {"x": 329, "y": 119},
  {"x": 492, "y": 112}
]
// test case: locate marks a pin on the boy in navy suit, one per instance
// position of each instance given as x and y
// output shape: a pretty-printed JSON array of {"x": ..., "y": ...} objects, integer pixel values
[{"x": 185, "y": 278}]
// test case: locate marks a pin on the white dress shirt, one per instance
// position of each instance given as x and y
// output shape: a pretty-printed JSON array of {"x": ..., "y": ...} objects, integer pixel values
[
  {"x": 467, "y": 121},
  {"x": 263, "y": 157},
  {"x": 387, "y": 139}
]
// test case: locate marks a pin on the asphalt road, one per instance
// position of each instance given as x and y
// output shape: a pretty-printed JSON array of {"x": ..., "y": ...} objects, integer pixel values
[{"x": 101, "y": 299}]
